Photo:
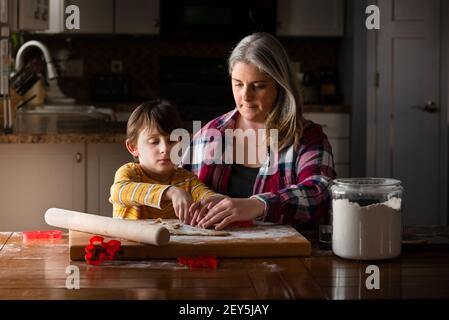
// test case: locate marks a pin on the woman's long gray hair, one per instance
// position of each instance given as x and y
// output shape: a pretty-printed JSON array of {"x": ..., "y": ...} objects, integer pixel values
[{"x": 267, "y": 53}]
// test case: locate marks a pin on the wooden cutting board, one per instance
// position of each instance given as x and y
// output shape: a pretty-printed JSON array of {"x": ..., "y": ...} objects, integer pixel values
[{"x": 262, "y": 240}]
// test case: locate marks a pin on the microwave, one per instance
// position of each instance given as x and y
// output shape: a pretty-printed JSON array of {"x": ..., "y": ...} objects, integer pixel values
[{"x": 211, "y": 19}]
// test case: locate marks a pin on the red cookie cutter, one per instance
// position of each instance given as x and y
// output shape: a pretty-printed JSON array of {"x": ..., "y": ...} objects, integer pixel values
[
  {"x": 98, "y": 250},
  {"x": 199, "y": 262},
  {"x": 46, "y": 234}
]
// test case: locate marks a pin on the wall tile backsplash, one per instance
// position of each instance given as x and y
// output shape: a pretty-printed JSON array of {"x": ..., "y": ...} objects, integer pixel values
[{"x": 140, "y": 57}]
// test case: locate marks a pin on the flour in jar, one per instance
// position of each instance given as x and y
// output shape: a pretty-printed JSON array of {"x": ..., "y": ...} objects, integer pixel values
[{"x": 366, "y": 232}]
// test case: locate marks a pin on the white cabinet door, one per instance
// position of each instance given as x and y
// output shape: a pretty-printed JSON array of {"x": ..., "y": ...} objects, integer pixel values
[
  {"x": 140, "y": 17},
  {"x": 103, "y": 160},
  {"x": 25, "y": 15},
  {"x": 96, "y": 16},
  {"x": 35, "y": 177},
  {"x": 337, "y": 128},
  {"x": 33, "y": 15},
  {"x": 335, "y": 125},
  {"x": 310, "y": 17}
]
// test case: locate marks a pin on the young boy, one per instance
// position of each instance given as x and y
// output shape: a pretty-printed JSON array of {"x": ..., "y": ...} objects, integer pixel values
[{"x": 154, "y": 187}]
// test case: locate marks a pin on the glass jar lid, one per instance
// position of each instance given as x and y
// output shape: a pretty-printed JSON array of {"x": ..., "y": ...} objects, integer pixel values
[
  {"x": 363, "y": 185},
  {"x": 367, "y": 182}
]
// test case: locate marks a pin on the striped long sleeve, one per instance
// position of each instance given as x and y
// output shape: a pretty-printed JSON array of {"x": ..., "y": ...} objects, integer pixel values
[
  {"x": 128, "y": 193},
  {"x": 136, "y": 196}
]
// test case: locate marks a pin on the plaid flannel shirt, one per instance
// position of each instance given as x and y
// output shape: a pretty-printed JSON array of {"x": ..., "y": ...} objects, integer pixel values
[{"x": 297, "y": 193}]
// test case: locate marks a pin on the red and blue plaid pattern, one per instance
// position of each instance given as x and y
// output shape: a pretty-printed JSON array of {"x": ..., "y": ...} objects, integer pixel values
[{"x": 297, "y": 193}]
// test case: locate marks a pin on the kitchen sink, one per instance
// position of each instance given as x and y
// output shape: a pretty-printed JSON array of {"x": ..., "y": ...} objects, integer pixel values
[{"x": 63, "y": 119}]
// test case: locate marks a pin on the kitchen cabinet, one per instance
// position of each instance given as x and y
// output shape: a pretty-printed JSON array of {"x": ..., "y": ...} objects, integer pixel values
[
  {"x": 29, "y": 15},
  {"x": 320, "y": 18},
  {"x": 103, "y": 160},
  {"x": 142, "y": 17},
  {"x": 107, "y": 16},
  {"x": 337, "y": 128},
  {"x": 95, "y": 16},
  {"x": 36, "y": 177},
  {"x": 39, "y": 176}
]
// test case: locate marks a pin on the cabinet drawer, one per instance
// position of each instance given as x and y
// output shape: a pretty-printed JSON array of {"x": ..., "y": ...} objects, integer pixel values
[
  {"x": 335, "y": 125},
  {"x": 340, "y": 150}
]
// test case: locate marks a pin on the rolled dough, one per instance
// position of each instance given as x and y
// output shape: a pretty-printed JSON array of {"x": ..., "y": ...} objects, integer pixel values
[{"x": 177, "y": 228}]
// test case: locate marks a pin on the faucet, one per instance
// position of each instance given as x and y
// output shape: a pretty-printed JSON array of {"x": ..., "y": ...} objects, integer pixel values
[
  {"x": 51, "y": 70},
  {"x": 54, "y": 94}
]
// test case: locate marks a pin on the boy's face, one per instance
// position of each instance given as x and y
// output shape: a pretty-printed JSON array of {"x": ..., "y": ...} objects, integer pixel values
[{"x": 153, "y": 150}]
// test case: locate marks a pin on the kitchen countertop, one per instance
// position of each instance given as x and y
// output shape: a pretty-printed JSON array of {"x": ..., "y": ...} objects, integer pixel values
[
  {"x": 37, "y": 270},
  {"x": 116, "y": 133}
]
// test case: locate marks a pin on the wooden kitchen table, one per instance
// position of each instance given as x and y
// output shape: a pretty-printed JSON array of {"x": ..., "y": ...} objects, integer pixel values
[{"x": 37, "y": 270}]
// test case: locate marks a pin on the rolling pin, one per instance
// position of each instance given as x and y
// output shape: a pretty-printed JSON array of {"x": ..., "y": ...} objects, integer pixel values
[{"x": 135, "y": 230}]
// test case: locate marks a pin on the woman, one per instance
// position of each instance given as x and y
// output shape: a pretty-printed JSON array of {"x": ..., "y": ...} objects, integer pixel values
[{"x": 266, "y": 94}]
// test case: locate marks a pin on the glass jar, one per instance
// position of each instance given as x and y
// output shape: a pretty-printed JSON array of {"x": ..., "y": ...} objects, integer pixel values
[{"x": 366, "y": 218}]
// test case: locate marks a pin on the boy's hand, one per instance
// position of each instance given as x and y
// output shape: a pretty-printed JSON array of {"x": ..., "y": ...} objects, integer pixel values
[
  {"x": 181, "y": 201},
  {"x": 199, "y": 209}
]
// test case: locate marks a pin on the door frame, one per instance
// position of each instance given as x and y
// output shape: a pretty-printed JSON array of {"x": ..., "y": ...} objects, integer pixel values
[{"x": 371, "y": 104}]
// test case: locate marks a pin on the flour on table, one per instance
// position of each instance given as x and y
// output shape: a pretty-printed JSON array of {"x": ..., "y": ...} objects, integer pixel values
[
  {"x": 179, "y": 229},
  {"x": 260, "y": 230}
]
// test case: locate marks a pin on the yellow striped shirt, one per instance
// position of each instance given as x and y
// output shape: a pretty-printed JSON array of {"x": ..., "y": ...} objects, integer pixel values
[{"x": 134, "y": 195}]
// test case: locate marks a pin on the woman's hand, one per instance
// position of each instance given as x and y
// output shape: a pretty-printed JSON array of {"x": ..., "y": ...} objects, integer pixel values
[
  {"x": 181, "y": 201},
  {"x": 230, "y": 210},
  {"x": 199, "y": 209}
]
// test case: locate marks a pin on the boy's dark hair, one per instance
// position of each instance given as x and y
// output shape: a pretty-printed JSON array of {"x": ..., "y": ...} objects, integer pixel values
[{"x": 159, "y": 113}]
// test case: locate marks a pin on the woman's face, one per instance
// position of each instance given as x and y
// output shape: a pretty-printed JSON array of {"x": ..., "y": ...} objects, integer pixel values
[{"x": 254, "y": 92}]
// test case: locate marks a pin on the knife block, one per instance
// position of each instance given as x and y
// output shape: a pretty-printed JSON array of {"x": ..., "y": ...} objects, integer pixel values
[{"x": 37, "y": 89}]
